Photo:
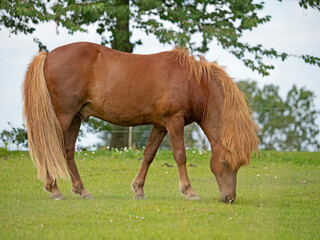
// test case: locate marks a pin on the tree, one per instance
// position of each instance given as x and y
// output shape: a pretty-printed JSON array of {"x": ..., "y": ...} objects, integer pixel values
[
  {"x": 174, "y": 22},
  {"x": 16, "y": 135},
  {"x": 286, "y": 124},
  {"x": 302, "y": 128},
  {"x": 269, "y": 110}
]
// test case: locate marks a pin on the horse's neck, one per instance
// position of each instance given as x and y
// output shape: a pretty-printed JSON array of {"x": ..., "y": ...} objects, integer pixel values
[{"x": 211, "y": 122}]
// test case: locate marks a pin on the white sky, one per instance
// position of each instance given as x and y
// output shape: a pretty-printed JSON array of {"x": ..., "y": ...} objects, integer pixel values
[{"x": 292, "y": 29}]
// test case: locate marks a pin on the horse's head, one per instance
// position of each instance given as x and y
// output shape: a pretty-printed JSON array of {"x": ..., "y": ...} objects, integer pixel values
[{"x": 226, "y": 176}]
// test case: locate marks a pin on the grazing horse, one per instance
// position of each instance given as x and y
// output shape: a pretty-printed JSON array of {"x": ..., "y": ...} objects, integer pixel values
[{"x": 168, "y": 90}]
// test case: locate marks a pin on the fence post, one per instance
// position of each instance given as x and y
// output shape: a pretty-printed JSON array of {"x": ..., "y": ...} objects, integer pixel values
[{"x": 130, "y": 138}]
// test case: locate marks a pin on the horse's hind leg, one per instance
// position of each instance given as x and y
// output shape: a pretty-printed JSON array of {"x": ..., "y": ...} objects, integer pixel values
[
  {"x": 70, "y": 137},
  {"x": 154, "y": 141},
  {"x": 51, "y": 186}
]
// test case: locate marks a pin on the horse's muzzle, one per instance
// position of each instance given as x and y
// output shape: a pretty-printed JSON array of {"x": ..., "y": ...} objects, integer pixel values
[{"x": 228, "y": 199}]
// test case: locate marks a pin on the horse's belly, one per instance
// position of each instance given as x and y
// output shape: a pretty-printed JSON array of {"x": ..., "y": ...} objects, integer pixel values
[{"x": 123, "y": 111}]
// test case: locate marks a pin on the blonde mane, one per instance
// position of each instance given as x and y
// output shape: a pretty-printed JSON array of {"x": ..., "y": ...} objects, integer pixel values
[{"x": 238, "y": 132}]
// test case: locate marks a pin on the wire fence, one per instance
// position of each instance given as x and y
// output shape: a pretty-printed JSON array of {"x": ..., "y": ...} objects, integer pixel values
[{"x": 192, "y": 139}]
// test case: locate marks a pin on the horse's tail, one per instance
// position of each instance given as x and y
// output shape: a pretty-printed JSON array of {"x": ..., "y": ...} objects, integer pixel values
[
  {"x": 238, "y": 130},
  {"x": 45, "y": 137}
]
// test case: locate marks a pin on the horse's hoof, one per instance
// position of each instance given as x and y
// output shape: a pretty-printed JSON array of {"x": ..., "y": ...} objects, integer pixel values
[
  {"x": 86, "y": 196},
  {"x": 75, "y": 191},
  {"x": 57, "y": 196},
  {"x": 193, "y": 198},
  {"x": 139, "y": 196}
]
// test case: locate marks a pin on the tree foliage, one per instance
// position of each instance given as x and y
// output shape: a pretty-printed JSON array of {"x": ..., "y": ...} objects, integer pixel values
[
  {"x": 16, "y": 136},
  {"x": 191, "y": 23},
  {"x": 287, "y": 124},
  {"x": 309, "y": 3}
]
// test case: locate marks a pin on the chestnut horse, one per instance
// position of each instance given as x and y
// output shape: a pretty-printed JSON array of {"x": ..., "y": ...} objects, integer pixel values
[{"x": 168, "y": 90}]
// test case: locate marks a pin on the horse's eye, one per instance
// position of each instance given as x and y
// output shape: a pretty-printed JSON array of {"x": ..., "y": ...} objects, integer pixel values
[{"x": 224, "y": 164}]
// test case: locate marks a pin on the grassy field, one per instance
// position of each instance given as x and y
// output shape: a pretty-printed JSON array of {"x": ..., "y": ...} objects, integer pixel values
[{"x": 278, "y": 198}]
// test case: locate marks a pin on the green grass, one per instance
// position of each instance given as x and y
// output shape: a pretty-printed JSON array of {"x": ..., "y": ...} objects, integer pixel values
[{"x": 278, "y": 198}]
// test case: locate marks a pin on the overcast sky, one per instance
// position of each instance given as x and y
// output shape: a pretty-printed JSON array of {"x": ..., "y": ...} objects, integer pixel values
[{"x": 292, "y": 29}]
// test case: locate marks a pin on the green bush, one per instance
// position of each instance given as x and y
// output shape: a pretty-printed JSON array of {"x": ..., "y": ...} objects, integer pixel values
[{"x": 4, "y": 150}]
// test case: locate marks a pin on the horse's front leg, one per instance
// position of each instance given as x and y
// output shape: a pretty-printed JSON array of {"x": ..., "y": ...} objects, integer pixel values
[
  {"x": 154, "y": 141},
  {"x": 175, "y": 127}
]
